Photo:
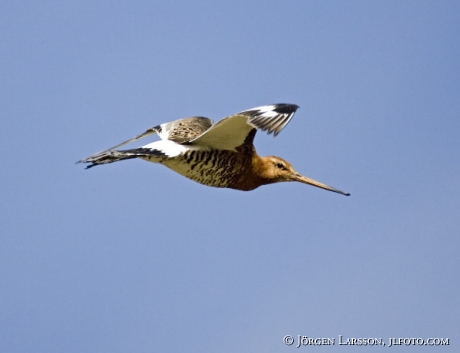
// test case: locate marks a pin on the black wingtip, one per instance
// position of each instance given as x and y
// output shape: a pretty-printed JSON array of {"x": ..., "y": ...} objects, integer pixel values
[
  {"x": 286, "y": 108},
  {"x": 88, "y": 166}
]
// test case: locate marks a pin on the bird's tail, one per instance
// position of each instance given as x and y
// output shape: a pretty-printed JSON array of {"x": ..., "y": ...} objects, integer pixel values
[{"x": 106, "y": 157}]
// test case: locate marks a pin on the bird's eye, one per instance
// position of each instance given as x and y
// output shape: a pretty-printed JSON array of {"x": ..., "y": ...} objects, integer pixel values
[{"x": 281, "y": 166}]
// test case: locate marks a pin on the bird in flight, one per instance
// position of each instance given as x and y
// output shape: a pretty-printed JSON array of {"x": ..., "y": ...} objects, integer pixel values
[{"x": 220, "y": 155}]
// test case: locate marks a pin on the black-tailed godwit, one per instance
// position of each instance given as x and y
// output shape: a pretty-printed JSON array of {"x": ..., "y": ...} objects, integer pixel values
[{"x": 220, "y": 155}]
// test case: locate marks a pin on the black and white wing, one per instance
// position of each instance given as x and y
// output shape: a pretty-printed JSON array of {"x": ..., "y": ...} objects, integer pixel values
[
  {"x": 178, "y": 131},
  {"x": 234, "y": 130}
]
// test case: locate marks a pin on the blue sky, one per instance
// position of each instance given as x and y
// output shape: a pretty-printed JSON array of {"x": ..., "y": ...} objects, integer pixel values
[{"x": 132, "y": 257}]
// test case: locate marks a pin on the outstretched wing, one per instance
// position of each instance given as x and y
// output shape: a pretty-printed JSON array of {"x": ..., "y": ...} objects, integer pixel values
[
  {"x": 179, "y": 131},
  {"x": 151, "y": 131},
  {"x": 232, "y": 132}
]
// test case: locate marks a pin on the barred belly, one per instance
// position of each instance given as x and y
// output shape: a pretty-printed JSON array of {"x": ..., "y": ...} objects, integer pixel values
[{"x": 218, "y": 168}]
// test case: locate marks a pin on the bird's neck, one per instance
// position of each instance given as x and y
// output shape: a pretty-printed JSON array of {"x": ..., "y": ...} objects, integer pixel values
[{"x": 255, "y": 174}]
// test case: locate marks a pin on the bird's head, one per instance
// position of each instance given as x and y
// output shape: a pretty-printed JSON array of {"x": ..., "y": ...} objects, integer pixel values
[{"x": 276, "y": 169}]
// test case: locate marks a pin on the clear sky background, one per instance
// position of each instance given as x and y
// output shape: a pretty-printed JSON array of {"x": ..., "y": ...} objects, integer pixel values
[{"x": 132, "y": 257}]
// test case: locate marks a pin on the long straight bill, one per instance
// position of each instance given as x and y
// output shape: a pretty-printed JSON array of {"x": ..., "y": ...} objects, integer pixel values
[{"x": 309, "y": 181}]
